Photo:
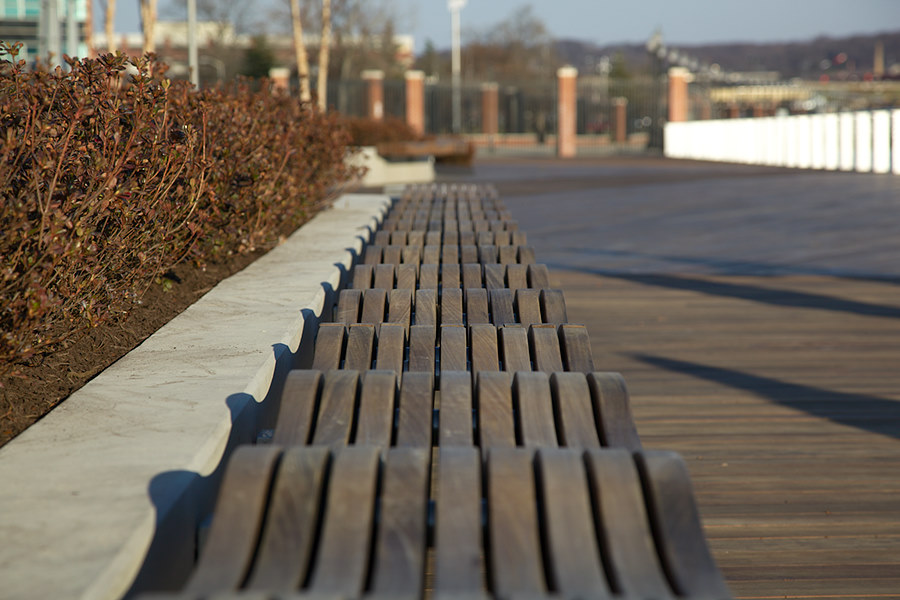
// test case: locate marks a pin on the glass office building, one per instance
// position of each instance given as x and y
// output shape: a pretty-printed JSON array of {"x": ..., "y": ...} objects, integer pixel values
[{"x": 20, "y": 21}]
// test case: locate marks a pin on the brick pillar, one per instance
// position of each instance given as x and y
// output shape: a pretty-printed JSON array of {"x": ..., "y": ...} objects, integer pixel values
[
  {"x": 758, "y": 110},
  {"x": 620, "y": 120},
  {"x": 490, "y": 121},
  {"x": 280, "y": 77},
  {"x": 374, "y": 93},
  {"x": 415, "y": 101},
  {"x": 679, "y": 77},
  {"x": 706, "y": 110},
  {"x": 567, "y": 78},
  {"x": 734, "y": 111}
]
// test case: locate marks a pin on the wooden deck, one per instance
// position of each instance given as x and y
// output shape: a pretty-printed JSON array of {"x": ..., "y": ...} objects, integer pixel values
[{"x": 755, "y": 315}]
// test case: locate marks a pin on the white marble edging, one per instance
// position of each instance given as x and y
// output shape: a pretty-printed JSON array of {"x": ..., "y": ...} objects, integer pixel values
[{"x": 83, "y": 491}]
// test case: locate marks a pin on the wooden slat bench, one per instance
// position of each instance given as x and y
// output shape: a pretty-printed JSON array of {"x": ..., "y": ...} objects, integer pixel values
[{"x": 453, "y": 438}]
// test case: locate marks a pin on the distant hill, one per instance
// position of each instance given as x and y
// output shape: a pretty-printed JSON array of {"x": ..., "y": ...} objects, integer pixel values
[{"x": 839, "y": 58}]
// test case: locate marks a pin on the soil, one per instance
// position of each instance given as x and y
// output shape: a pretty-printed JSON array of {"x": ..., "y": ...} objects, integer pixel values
[{"x": 50, "y": 379}]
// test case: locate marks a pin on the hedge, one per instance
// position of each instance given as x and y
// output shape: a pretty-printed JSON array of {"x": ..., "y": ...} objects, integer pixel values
[{"x": 111, "y": 174}]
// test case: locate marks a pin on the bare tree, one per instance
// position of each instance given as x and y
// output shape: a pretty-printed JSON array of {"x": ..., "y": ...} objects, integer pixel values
[
  {"x": 148, "y": 23},
  {"x": 109, "y": 19},
  {"x": 324, "y": 55},
  {"x": 300, "y": 50}
]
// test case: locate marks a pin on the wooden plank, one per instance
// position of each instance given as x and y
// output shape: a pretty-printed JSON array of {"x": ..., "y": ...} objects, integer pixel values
[
  {"x": 538, "y": 276},
  {"x": 431, "y": 255},
  {"x": 398, "y": 569},
  {"x": 517, "y": 276},
  {"x": 384, "y": 277},
  {"x": 433, "y": 238},
  {"x": 411, "y": 255},
  {"x": 406, "y": 277},
  {"x": 296, "y": 412},
  {"x": 362, "y": 277},
  {"x": 553, "y": 307},
  {"x": 545, "y": 348},
  {"x": 374, "y": 301},
  {"x": 626, "y": 533},
  {"x": 416, "y": 238},
  {"x": 467, "y": 237},
  {"x": 508, "y": 255},
  {"x": 450, "y": 275},
  {"x": 382, "y": 238},
  {"x": 526, "y": 255},
  {"x": 450, "y": 254},
  {"x": 336, "y": 409},
  {"x": 571, "y": 543},
  {"x": 471, "y": 276},
  {"x": 342, "y": 559},
  {"x": 349, "y": 303},
  {"x": 516, "y": 565},
  {"x": 400, "y": 307},
  {"x": 360, "y": 347},
  {"x": 286, "y": 545},
  {"x": 451, "y": 306},
  {"x": 468, "y": 254},
  {"x": 426, "y": 307},
  {"x": 494, "y": 276},
  {"x": 484, "y": 238},
  {"x": 391, "y": 255},
  {"x": 612, "y": 411},
  {"x": 329, "y": 346},
  {"x": 513, "y": 342},
  {"x": 496, "y": 428},
  {"x": 458, "y": 555},
  {"x": 487, "y": 254},
  {"x": 391, "y": 346},
  {"x": 414, "y": 423},
  {"x": 518, "y": 238},
  {"x": 376, "y": 408},
  {"x": 398, "y": 238},
  {"x": 534, "y": 410},
  {"x": 502, "y": 307},
  {"x": 502, "y": 238},
  {"x": 455, "y": 419},
  {"x": 678, "y": 531},
  {"x": 453, "y": 348},
  {"x": 373, "y": 255},
  {"x": 576, "y": 348},
  {"x": 428, "y": 277},
  {"x": 421, "y": 348},
  {"x": 528, "y": 306},
  {"x": 230, "y": 546},
  {"x": 483, "y": 342},
  {"x": 477, "y": 306},
  {"x": 574, "y": 411}
]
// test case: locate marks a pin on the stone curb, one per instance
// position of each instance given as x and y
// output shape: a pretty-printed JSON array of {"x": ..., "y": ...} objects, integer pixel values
[{"x": 125, "y": 466}]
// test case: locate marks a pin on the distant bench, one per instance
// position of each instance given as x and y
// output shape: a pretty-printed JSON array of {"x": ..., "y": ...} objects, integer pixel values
[{"x": 446, "y": 150}]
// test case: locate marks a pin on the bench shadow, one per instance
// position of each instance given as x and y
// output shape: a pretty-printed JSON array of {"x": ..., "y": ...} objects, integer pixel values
[
  {"x": 867, "y": 413},
  {"x": 183, "y": 500},
  {"x": 732, "y": 266},
  {"x": 743, "y": 291}
]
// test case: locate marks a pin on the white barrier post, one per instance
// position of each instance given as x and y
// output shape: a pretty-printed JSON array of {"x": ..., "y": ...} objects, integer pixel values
[
  {"x": 848, "y": 142},
  {"x": 817, "y": 141},
  {"x": 832, "y": 141},
  {"x": 895, "y": 118},
  {"x": 864, "y": 142},
  {"x": 881, "y": 141}
]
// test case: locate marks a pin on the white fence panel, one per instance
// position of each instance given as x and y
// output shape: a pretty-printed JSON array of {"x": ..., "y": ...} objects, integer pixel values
[
  {"x": 864, "y": 142},
  {"x": 881, "y": 141}
]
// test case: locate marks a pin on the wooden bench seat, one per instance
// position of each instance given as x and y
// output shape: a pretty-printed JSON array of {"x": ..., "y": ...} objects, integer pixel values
[
  {"x": 366, "y": 521},
  {"x": 453, "y": 438}
]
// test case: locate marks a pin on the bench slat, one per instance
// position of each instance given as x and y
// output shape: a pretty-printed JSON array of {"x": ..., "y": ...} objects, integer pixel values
[
  {"x": 426, "y": 307},
  {"x": 528, "y": 303},
  {"x": 298, "y": 403},
  {"x": 342, "y": 559},
  {"x": 376, "y": 408},
  {"x": 496, "y": 427},
  {"x": 516, "y": 563},
  {"x": 612, "y": 411},
  {"x": 428, "y": 277},
  {"x": 483, "y": 343},
  {"x": 455, "y": 421},
  {"x": 477, "y": 306},
  {"x": 514, "y": 349},
  {"x": 517, "y": 276},
  {"x": 458, "y": 552},
  {"x": 349, "y": 302},
  {"x": 494, "y": 276},
  {"x": 421, "y": 348},
  {"x": 576, "y": 348},
  {"x": 451, "y": 306},
  {"x": 453, "y": 348},
  {"x": 329, "y": 346},
  {"x": 416, "y": 408},
  {"x": 400, "y": 307},
  {"x": 336, "y": 408},
  {"x": 502, "y": 307},
  {"x": 399, "y": 559},
  {"x": 534, "y": 409},
  {"x": 574, "y": 411},
  {"x": 362, "y": 277},
  {"x": 538, "y": 276},
  {"x": 553, "y": 306},
  {"x": 571, "y": 544},
  {"x": 384, "y": 277},
  {"x": 545, "y": 348},
  {"x": 360, "y": 345},
  {"x": 391, "y": 345},
  {"x": 450, "y": 275},
  {"x": 286, "y": 546},
  {"x": 471, "y": 276}
]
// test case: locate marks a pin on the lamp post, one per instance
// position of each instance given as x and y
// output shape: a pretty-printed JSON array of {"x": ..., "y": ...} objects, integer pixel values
[
  {"x": 455, "y": 6},
  {"x": 193, "y": 60}
]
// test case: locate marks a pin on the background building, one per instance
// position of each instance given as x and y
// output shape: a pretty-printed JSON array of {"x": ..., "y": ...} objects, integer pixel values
[{"x": 43, "y": 26}]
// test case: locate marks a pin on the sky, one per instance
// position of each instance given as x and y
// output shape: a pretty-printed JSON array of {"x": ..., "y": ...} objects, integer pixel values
[{"x": 684, "y": 22}]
